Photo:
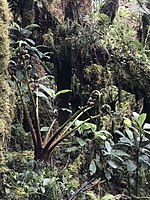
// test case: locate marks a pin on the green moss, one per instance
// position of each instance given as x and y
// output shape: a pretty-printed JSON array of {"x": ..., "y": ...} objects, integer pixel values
[
  {"x": 6, "y": 112},
  {"x": 93, "y": 73},
  {"x": 49, "y": 38}
]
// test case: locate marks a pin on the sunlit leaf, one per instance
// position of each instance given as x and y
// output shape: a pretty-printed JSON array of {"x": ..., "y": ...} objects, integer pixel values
[
  {"x": 142, "y": 119},
  {"x": 146, "y": 126},
  {"x": 46, "y": 181},
  {"x": 42, "y": 189},
  {"x": 130, "y": 134},
  {"x": 62, "y": 92},
  {"x": 125, "y": 140},
  {"x": 44, "y": 129},
  {"x": 108, "y": 146},
  {"x": 136, "y": 116},
  {"x": 32, "y": 26},
  {"x": 127, "y": 121}
]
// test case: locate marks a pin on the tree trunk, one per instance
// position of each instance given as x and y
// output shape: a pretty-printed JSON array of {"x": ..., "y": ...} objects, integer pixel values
[
  {"x": 110, "y": 8},
  {"x": 133, "y": 77},
  {"x": 6, "y": 110},
  {"x": 26, "y": 12}
]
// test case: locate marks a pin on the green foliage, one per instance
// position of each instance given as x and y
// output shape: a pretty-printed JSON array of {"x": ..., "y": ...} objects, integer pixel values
[{"x": 35, "y": 182}]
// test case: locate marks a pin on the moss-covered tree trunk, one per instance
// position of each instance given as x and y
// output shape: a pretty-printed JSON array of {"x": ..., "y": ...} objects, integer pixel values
[
  {"x": 5, "y": 92},
  {"x": 26, "y": 11}
]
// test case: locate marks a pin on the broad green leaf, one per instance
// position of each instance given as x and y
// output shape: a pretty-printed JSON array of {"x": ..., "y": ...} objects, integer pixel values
[
  {"x": 49, "y": 91},
  {"x": 107, "y": 197},
  {"x": 130, "y": 134},
  {"x": 26, "y": 32},
  {"x": 41, "y": 94},
  {"x": 112, "y": 164},
  {"x": 44, "y": 129},
  {"x": 30, "y": 41},
  {"x": 131, "y": 166},
  {"x": 125, "y": 141},
  {"x": 136, "y": 116},
  {"x": 92, "y": 168},
  {"x": 118, "y": 152},
  {"x": 146, "y": 126},
  {"x": 85, "y": 126},
  {"x": 127, "y": 121},
  {"x": 108, "y": 147},
  {"x": 80, "y": 141},
  {"x": 62, "y": 92},
  {"x": 108, "y": 173},
  {"x": 142, "y": 119}
]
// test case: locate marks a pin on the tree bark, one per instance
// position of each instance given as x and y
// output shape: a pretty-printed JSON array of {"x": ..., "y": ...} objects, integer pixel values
[{"x": 6, "y": 111}]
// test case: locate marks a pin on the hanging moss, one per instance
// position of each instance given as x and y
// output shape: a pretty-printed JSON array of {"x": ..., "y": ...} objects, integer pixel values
[
  {"x": 97, "y": 75},
  {"x": 5, "y": 92}
]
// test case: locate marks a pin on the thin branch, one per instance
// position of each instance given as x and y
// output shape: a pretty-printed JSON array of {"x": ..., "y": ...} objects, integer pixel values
[
  {"x": 80, "y": 189},
  {"x": 27, "y": 116},
  {"x": 49, "y": 131}
]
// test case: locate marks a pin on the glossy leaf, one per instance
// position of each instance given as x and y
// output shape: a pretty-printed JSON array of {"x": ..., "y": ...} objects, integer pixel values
[
  {"x": 142, "y": 119},
  {"x": 136, "y": 116}
]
